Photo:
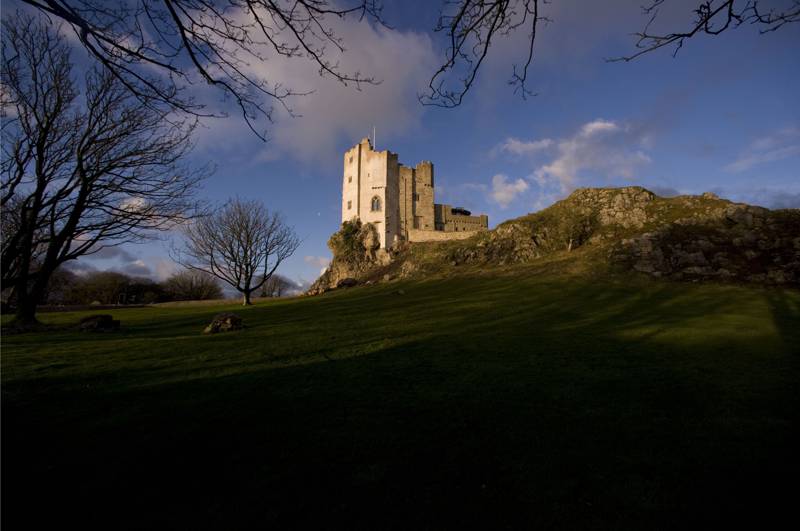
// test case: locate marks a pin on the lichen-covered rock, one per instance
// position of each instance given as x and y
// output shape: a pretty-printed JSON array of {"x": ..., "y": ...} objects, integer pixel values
[
  {"x": 746, "y": 243},
  {"x": 224, "y": 322},
  {"x": 98, "y": 323},
  {"x": 625, "y": 207}
]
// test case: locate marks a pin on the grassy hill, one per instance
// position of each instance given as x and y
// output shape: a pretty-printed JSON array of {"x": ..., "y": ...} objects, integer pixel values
[
  {"x": 598, "y": 231},
  {"x": 522, "y": 396}
]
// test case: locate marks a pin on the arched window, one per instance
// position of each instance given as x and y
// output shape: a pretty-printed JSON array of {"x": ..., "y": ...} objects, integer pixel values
[{"x": 376, "y": 204}]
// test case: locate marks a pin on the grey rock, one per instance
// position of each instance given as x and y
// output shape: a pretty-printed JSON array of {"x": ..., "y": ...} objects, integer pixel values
[
  {"x": 224, "y": 322},
  {"x": 347, "y": 283},
  {"x": 98, "y": 323}
]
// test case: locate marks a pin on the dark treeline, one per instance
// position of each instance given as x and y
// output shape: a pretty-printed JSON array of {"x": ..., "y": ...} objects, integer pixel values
[
  {"x": 109, "y": 287},
  {"x": 68, "y": 288}
]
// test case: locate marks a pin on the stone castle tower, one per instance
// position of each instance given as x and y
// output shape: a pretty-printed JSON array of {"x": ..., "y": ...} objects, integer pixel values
[{"x": 398, "y": 200}]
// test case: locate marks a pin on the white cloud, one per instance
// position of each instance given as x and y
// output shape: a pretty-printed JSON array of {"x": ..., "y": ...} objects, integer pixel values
[
  {"x": 778, "y": 146},
  {"x": 516, "y": 146},
  {"x": 401, "y": 62},
  {"x": 134, "y": 204},
  {"x": 599, "y": 148},
  {"x": 504, "y": 192},
  {"x": 598, "y": 126}
]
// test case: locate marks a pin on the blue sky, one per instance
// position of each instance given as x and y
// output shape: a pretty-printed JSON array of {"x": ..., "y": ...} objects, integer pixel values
[{"x": 722, "y": 116}]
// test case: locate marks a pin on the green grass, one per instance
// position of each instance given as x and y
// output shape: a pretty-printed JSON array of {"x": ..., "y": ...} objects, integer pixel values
[{"x": 510, "y": 400}]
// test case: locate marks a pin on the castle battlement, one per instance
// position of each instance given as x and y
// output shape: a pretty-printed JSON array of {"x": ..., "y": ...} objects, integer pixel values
[{"x": 399, "y": 200}]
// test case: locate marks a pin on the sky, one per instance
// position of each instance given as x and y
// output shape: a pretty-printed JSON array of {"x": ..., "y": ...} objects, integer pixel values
[{"x": 721, "y": 116}]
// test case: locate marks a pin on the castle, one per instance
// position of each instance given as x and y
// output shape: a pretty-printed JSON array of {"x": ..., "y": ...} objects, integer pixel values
[{"x": 398, "y": 200}]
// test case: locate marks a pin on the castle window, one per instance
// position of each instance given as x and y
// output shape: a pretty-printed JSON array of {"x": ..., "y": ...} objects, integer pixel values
[
  {"x": 349, "y": 178},
  {"x": 351, "y": 159},
  {"x": 349, "y": 205},
  {"x": 376, "y": 204},
  {"x": 416, "y": 197}
]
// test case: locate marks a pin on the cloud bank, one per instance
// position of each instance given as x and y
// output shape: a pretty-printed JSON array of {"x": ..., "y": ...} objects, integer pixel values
[{"x": 780, "y": 145}]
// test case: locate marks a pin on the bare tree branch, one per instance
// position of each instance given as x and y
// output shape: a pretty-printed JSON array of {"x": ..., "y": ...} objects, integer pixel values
[
  {"x": 711, "y": 17},
  {"x": 471, "y": 27},
  {"x": 158, "y": 48}
]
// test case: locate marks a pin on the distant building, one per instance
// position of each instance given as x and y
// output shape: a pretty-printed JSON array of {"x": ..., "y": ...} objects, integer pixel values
[{"x": 398, "y": 200}]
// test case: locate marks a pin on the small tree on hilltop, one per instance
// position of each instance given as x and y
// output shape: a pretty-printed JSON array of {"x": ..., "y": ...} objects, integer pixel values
[{"x": 242, "y": 244}]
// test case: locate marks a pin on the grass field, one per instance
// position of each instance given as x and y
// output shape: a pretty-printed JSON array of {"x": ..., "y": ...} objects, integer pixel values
[{"x": 504, "y": 401}]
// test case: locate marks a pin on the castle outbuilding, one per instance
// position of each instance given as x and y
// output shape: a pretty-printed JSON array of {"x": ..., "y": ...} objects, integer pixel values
[{"x": 398, "y": 200}]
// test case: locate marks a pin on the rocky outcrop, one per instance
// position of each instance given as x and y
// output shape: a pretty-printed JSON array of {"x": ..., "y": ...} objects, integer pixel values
[
  {"x": 625, "y": 207},
  {"x": 224, "y": 322},
  {"x": 626, "y": 229},
  {"x": 682, "y": 238},
  {"x": 739, "y": 242},
  {"x": 509, "y": 243},
  {"x": 356, "y": 252}
]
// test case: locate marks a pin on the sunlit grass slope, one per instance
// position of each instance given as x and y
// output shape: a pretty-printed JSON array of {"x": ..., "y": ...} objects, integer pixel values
[{"x": 505, "y": 401}]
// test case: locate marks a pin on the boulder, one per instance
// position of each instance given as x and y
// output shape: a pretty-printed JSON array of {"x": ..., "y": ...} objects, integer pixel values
[
  {"x": 98, "y": 323},
  {"x": 347, "y": 283},
  {"x": 224, "y": 322}
]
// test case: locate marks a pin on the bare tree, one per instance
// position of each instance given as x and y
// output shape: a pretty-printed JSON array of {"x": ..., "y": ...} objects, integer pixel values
[
  {"x": 277, "y": 286},
  {"x": 192, "y": 286},
  {"x": 84, "y": 165},
  {"x": 242, "y": 244},
  {"x": 712, "y": 17},
  {"x": 157, "y": 48}
]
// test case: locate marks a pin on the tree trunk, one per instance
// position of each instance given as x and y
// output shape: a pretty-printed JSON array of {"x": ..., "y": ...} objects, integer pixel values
[
  {"x": 26, "y": 306},
  {"x": 246, "y": 298}
]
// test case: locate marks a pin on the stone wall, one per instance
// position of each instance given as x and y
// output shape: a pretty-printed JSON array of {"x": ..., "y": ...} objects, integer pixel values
[
  {"x": 446, "y": 221},
  {"x": 438, "y": 236}
]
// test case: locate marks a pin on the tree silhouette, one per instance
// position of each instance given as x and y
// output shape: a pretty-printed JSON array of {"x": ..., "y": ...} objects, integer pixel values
[
  {"x": 241, "y": 244},
  {"x": 84, "y": 166}
]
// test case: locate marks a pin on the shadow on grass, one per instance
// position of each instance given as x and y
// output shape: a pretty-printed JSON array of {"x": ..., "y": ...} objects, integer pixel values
[
  {"x": 494, "y": 403},
  {"x": 785, "y": 307}
]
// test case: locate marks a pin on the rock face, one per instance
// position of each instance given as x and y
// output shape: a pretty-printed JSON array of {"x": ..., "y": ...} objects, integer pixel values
[
  {"x": 739, "y": 242},
  {"x": 224, "y": 322},
  {"x": 98, "y": 323},
  {"x": 356, "y": 251},
  {"x": 625, "y": 207}
]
